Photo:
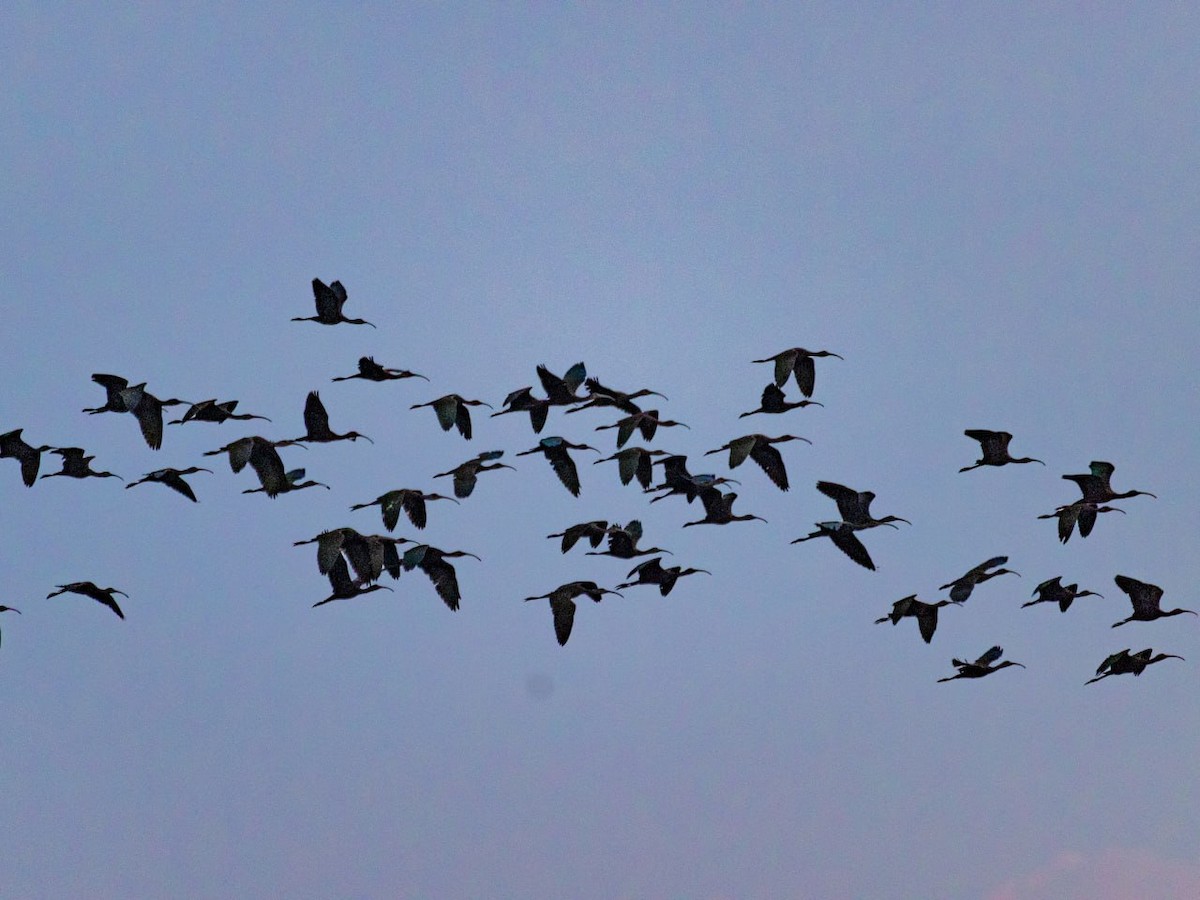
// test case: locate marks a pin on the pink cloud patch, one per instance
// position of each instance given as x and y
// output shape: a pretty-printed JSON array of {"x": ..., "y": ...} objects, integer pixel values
[{"x": 1115, "y": 874}]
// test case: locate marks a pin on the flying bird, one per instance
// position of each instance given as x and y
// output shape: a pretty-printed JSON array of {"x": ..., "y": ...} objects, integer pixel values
[
  {"x": 926, "y": 614},
  {"x": 678, "y": 480},
  {"x": 994, "y": 447},
  {"x": 652, "y": 572},
  {"x": 172, "y": 478},
  {"x": 452, "y": 410},
  {"x": 1081, "y": 512},
  {"x": 316, "y": 424},
  {"x": 842, "y": 535},
  {"x": 76, "y": 465},
  {"x": 594, "y": 532},
  {"x": 562, "y": 391},
  {"x": 522, "y": 400},
  {"x": 773, "y": 401},
  {"x": 962, "y": 586},
  {"x": 411, "y": 501},
  {"x": 981, "y": 667},
  {"x": 263, "y": 457},
  {"x": 1096, "y": 487},
  {"x": 291, "y": 482},
  {"x": 758, "y": 448},
  {"x": 623, "y": 542},
  {"x": 718, "y": 509},
  {"x": 343, "y": 586},
  {"x": 12, "y": 446},
  {"x": 855, "y": 506},
  {"x": 432, "y": 562},
  {"x": 562, "y": 604},
  {"x": 1052, "y": 590},
  {"x": 113, "y": 401},
  {"x": 369, "y": 370},
  {"x": 634, "y": 462},
  {"x": 600, "y": 396},
  {"x": 212, "y": 411},
  {"x": 88, "y": 589},
  {"x": 1125, "y": 663},
  {"x": 799, "y": 361},
  {"x": 555, "y": 450},
  {"x": 647, "y": 423},
  {"x": 1145, "y": 599},
  {"x": 465, "y": 474},
  {"x": 330, "y": 298},
  {"x": 148, "y": 410}
]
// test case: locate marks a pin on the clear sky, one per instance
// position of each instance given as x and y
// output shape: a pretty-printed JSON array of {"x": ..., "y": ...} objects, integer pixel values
[{"x": 990, "y": 210}]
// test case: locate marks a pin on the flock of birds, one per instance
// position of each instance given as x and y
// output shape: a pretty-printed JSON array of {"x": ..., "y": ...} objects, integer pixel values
[{"x": 354, "y": 562}]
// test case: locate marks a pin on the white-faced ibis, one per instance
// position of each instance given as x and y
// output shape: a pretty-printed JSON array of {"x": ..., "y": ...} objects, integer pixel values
[
  {"x": 172, "y": 478},
  {"x": 1125, "y": 663},
  {"x": 370, "y": 555},
  {"x": 961, "y": 587},
  {"x": 212, "y": 411},
  {"x": 148, "y": 410},
  {"x": 994, "y": 447},
  {"x": 758, "y": 448},
  {"x": 369, "y": 370},
  {"x": 981, "y": 667},
  {"x": 555, "y": 450},
  {"x": 926, "y": 614},
  {"x": 1080, "y": 512},
  {"x": 432, "y": 562},
  {"x": 13, "y": 446},
  {"x": 329, "y": 546},
  {"x": 562, "y": 391},
  {"x": 855, "y": 506},
  {"x": 343, "y": 587},
  {"x": 113, "y": 401},
  {"x": 88, "y": 589},
  {"x": 622, "y": 542},
  {"x": 842, "y": 535},
  {"x": 799, "y": 361},
  {"x": 410, "y": 500},
  {"x": 599, "y": 395},
  {"x": 1096, "y": 487},
  {"x": 1052, "y": 590},
  {"x": 634, "y": 462},
  {"x": 594, "y": 532},
  {"x": 330, "y": 298},
  {"x": 452, "y": 410},
  {"x": 646, "y": 422},
  {"x": 678, "y": 480},
  {"x": 465, "y": 474},
  {"x": 718, "y": 509},
  {"x": 652, "y": 572},
  {"x": 263, "y": 457},
  {"x": 316, "y": 424},
  {"x": 1145, "y": 599},
  {"x": 562, "y": 604},
  {"x": 291, "y": 482},
  {"x": 773, "y": 401},
  {"x": 76, "y": 465},
  {"x": 522, "y": 400}
]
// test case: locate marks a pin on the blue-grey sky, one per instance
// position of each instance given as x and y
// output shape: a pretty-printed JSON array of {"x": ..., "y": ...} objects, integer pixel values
[{"x": 989, "y": 210}]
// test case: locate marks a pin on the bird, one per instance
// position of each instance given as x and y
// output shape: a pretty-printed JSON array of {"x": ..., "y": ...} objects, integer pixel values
[
  {"x": 622, "y": 542},
  {"x": 465, "y": 474},
  {"x": 13, "y": 446},
  {"x": 634, "y": 462},
  {"x": 926, "y": 614},
  {"x": 562, "y": 391},
  {"x": 994, "y": 447},
  {"x": 212, "y": 411},
  {"x": 263, "y": 456},
  {"x": 1081, "y": 512},
  {"x": 799, "y": 361},
  {"x": 1052, "y": 590},
  {"x": 855, "y": 506},
  {"x": 343, "y": 587},
  {"x": 369, "y": 370},
  {"x": 843, "y": 537},
  {"x": 411, "y": 501},
  {"x": 718, "y": 509},
  {"x": 76, "y": 465},
  {"x": 599, "y": 396},
  {"x": 113, "y": 401},
  {"x": 88, "y": 589},
  {"x": 432, "y": 562},
  {"x": 678, "y": 480},
  {"x": 555, "y": 450},
  {"x": 981, "y": 667},
  {"x": 594, "y": 532},
  {"x": 316, "y": 424},
  {"x": 330, "y": 298},
  {"x": 172, "y": 478},
  {"x": 452, "y": 411},
  {"x": 1125, "y": 663},
  {"x": 773, "y": 401},
  {"x": 370, "y": 555},
  {"x": 1145, "y": 599},
  {"x": 758, "y": 448},
  {"x": 329, "y": 545},
  {"x": 962, "y": 586},
  {"x": 1096, "y": 487},
  {"x": 562, "y": 604},
  {"x": 147, "y": 409},
  {"x": 522, "y": 400},
  {"x": 4, "y": 609},
  {"x": 652, "y": 572},
  {"x": 291, "y": 482},
  {"x": 647, "y": 423}
]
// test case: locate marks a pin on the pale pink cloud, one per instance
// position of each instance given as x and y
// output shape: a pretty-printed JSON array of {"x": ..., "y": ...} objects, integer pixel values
[{"x": 1118, "y": 873}]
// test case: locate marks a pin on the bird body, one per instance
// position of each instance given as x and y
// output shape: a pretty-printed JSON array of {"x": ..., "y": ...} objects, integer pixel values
[
  {"x": 369, "y": 370},
  {"x": 843, "y": 536},
  {"x": 1125, "y": 663},
  {"x": 329, "y": 298},
  {"x": 634, "y": 462},
  {"x": 799, "y": 361},
  {"x": 594, "y": 532},
  {"x": 147, "y": 409},
  {"x": 316, "y": 424},
  {"x": 1096, "y": 486},
  {"x": 926, "y": 614},
  {"x": 13, "y": 446},
  {"x": 562, "y": 391},
  {"x": 465, "y": 474},
  {"x": 647, "y": 423},
  {"x": 773, "y": 401},
  {"x": 212, "y": 411},
  {"x": 343, "y": 586},
  {"x": 76, "y": 465},
  {"x": 855, "y": 506},
  {"x": 623, "y": 542},
  {"x": 411, "y": 501},
  {"x": 562, "y": 604},
  {"x": 961, "y": 587},
  {"x": 718, "y": 509},
  {"x": 980, "y": 667},
  {"x": 452, "y": 411},
  {"x": 432, "y": 562},
  {"x": 1052, "y": 590},
  {"x": 1146, "y": 599},
  {"x": 994, "y": 449},
  {"x": 522, "y": 400},
  {"x": 291, "y": 482},
  {"x": 599, "y": 396},
  {"x": 758, "y": 448},
  {"x": 651, "y": 571},
  {"x": 263, "y": 457},
  {"x": 89, "y": 589},
  {"x": 172, "y": 478},
  {"x": 1082, "y": 513},
  {"x": 555, "y": 450}
]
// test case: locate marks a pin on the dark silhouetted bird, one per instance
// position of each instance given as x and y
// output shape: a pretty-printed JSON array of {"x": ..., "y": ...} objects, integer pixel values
[
  {"x": 411, "y": 501},
  {"x": 634, "y": 462},
  {"x": 962, "y": 586},
  {"x": 594, "y": 532},
  {"x": 212, "y": 411},
  {"x": 647, "y": 423},
  {"x": 1052, "y": 590},
  {"x": 1096, "y": 487},
  {"x": 678, "y": 480},
  {"x": 981, "y": 667},
  {"x": 758, "y": 448},
  {"x": 994, "y": 447},
  {"x": 522, "y": 400},
  {"x": 555, "y": 450},
  {"x": 76, "y": 465},
  {"x": 330, "y": 298},
  {"x": 432, "y": 562},
  {"x": 172, "y": 478},
  {"x": 452, "y": 410},
  {"x": 316, "y": 424},
  {"x": 113, "y": 401},
  {"x": 562, "y": 604},
  {"x": 773, "y": 401},
  {"x": 562, "y": 391},
  {"x": 329, "y": 546},
  {"x": 465, "y": 474},
  {"x": 1125, "y": 663},
  {"x": 369, "y": 370},
  {"x": 88, "y": 589},
  {"x": 1080, "y": 512},
  {"x": 855, "y": 506},
  {"x": 12, "y": 446},
  {"x": 799, "y": 361},
  {"x": 652, "y": 572},
  {"x": 842, "y": 535},
  {"x": 291, "y": 482},
  {"x": 926, "y": 614},
  {"x": 263, "y": 457},
  {"x": 718, "y": 509},
  {"x": 343, "y": 586},
  {"x": 623, "y": 542},
  {"x": 1145, "y": 599},
  {"x": 148, "y": 410},
  {"x": 600, "y": 396}
]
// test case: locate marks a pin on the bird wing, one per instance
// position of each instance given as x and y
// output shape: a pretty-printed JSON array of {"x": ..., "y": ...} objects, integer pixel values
[
  {"x": 625, "y": 429},
  {"x": 551, "y": 383},
  {"x": 1144, "y": 597},
  {"x": 1087, "y": 519},
  {"x": 927, "y": 617},
  {"x": 414, "y": 508},
  {"x": 564, "y": 618},
  {"x": 575, "y": 376},
  {"x": 328, "y": 304},
  {"x": 537, "y": 416},
  {"x": 316, "y": 419},
  {"x": 368, "y": 368},
  {"x": 984, "y": 566},
  {"x": 464, "y": 481},
  {"x": 1112, "y": 659},
  {"x": 267, "y": 465},
  {"x": 339, "y": 576},
  {"x": 990, "y": 657},
  {"x": 846, "y": 541},
  {"x": 847, "y": 499},
  {"x": 31, "y": 461},
  {"x": 740, "y": 448},
  {"x": 462, "y": 419},
  {"x": 175, "y": 481},
  {"x": 644, "y": 472},
  {"x": 621, "y": 542},
  {"x": 444, "y": 579},
  {"x": 770, "y": 460},
  {"x": 771, "y": 395},
  {"x": 785, "y": 364},
  {"x": 806, "y": 374},
  {"x": 564, "y": 468}
]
